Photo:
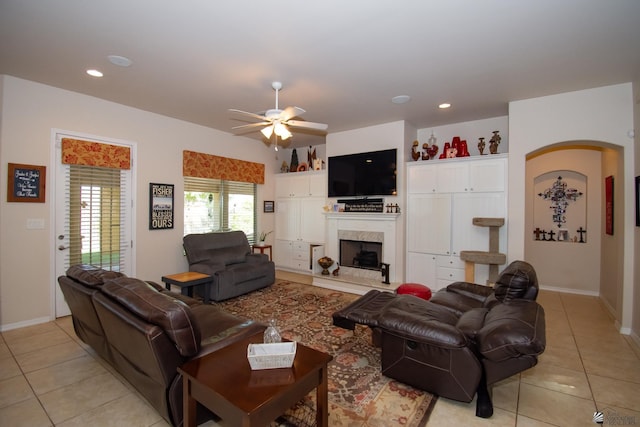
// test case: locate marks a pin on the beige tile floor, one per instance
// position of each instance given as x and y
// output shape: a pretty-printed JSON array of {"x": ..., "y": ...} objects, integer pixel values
[{"x": 49, "y": 378}]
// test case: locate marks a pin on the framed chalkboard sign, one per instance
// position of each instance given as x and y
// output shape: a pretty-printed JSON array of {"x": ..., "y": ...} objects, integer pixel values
[
  {"x": 26, "y": 183},
  {"x": 160, "y": 206}
]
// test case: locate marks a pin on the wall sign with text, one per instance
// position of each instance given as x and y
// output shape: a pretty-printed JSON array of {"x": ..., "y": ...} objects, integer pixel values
[
  {"x": 26, "y": 183},
  {"x": 160, "y": 206}
]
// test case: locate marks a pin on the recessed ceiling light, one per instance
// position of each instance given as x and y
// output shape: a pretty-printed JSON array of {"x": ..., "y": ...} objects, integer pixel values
[
  {"x": 401, "y": 99},
  {"x": 444, "y": 105},
  {"x": 94, "y": 73},
  {"x": 120, "y": 61}
]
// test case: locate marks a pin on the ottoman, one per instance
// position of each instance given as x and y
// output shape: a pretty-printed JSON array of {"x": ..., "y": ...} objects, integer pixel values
[{"x": 415, "y": 289}]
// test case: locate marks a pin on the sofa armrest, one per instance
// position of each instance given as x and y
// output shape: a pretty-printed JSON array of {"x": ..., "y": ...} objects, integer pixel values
[
  {"x": 210, "y": 268},
  {"x": 257, "y": 258},
  {"x": 512, "y": 330}
]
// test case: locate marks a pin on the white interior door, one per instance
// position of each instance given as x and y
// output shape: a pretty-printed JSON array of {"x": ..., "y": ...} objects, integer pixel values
[{"x": 93, "y": 218}]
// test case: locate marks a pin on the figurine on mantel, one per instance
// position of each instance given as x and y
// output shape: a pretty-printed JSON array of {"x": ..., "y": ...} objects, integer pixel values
[
  {"x": 494, "y": 142},
  {"x": 481, "y": 145},
  {"x": 415, "y": 155}
]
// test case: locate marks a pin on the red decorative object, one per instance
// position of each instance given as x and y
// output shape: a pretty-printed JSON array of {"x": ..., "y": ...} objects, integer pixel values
[
  {"x": 463, "y": 151},
  {"x": 608, "y": 192},
  {"x": 445, "y": 149},
  {"x": 415, "y": 289}
]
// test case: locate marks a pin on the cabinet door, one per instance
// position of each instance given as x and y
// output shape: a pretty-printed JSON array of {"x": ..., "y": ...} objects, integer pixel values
[
  {"x": 487, "y": 175},
  {"x": 287, "y": 219},
  {"x": 292, "y": 185},
  {"x": 283, "y": 253},
  {"x": 421, "y": 179},
  {"x": 465, "y": 235},
  {"x": 452, "y": 177},
  {"x": 421, "y": 268},
  {"x": 317, "y": 184},
  {"x": 429, "y": 223},
  {"x": 312, "y": 228}
]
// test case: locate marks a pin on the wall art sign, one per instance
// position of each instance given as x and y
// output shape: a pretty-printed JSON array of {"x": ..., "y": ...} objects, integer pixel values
[
  {"x": 608, "y": 194},
  {"x": 268, "y": 206},
  {"x": 26, "y": 183},
  {"x": 160, "y": 206}
]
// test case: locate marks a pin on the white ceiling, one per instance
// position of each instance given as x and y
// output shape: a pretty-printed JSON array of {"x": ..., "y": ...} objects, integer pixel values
[{"x": 341, "y": 60}]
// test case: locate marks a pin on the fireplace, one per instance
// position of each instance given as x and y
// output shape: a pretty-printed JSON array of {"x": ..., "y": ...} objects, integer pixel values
[
  {"x": 360, "y": 254},
  {"x": 376, "y": 232}
]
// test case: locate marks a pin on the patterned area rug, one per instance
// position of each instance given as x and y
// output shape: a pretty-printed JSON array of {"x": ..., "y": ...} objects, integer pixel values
[{"x": 359, "y": 395}]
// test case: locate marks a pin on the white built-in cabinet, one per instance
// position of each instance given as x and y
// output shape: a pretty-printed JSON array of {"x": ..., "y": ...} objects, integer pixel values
[
  {"x": 443, "y": 198},
  {"x": 299, "y": 221}
]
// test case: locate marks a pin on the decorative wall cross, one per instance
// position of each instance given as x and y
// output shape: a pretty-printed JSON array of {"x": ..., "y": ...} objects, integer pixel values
[{"x": 560, "y": 197}]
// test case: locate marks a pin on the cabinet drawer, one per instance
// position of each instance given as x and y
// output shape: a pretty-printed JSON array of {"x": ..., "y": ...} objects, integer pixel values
[
  {"x": 450, "y": 261},
  {"x": 301, "y": 265},
  {"x": 300, "y": 246},
  {"x": 451, "y": 274},
  {"x": 300, "y": 255}
]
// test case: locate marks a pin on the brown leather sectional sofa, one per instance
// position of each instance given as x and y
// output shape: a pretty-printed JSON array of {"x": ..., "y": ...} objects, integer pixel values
[
  {"x": 145, "y": 332},
  {"x": 463, "y": 340}
]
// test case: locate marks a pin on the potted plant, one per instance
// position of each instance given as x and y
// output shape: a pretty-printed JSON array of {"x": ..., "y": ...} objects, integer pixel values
[{"x": 262, "y": 237}]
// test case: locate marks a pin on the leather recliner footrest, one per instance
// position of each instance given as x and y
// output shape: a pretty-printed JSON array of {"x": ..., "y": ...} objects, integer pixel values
[{"x": 364, "y": 310}]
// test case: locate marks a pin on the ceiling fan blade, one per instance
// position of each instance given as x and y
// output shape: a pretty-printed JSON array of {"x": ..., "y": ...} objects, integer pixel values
[
  {"x": 307, "y": 125},
  {"x": 252, "y": 125},
  {"x": 291, "y": 112},
  {"x": 252, "y": 115}
]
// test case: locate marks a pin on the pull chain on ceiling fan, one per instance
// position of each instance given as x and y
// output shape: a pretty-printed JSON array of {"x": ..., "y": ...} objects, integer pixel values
[{"x": 276, "y": 121}]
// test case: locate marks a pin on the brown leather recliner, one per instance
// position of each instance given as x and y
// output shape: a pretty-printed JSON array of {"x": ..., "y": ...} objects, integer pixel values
[
  {"x": 145, "y": 332},
  {"x": 466, "y": 338},
  {"x": 227, "y": 257}
]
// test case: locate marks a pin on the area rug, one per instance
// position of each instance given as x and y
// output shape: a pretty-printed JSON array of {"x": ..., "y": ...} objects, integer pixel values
[{"x": 359, "y": 395}]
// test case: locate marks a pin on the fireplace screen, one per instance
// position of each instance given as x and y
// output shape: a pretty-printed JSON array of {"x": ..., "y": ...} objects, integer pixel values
[{"x": 359, "y": 254}]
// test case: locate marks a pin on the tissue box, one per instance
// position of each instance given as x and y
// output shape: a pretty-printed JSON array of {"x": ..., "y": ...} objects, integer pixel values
[{"x": 271, "y": 356}]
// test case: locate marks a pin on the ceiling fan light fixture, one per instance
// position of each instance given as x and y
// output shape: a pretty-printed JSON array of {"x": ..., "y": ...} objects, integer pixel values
[{"x": 267, "y": 132}]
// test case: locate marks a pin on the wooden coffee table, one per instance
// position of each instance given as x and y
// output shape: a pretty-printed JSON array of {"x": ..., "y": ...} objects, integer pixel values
[{"x": 224, "y": 383}]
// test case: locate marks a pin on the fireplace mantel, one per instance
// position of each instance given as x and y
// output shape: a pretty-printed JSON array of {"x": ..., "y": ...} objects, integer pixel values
[{"x": 367, "y": 216}]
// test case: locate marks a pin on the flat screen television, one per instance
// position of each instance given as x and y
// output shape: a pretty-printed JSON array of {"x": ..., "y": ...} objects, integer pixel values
[{"x": 363, "y": 174}]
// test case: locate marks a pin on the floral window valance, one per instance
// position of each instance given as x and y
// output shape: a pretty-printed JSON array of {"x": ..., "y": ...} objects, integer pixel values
[
  {"x": 87, "y": 153},
  {"x": 201, "y": 165}
]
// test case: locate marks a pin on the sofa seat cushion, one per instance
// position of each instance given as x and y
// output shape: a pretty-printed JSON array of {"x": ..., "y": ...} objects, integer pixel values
[
  {"x": 90, "y": 275},
  {"x": 239, "y": 273},
  {"x": 455, "y": 302},
  {"x": 419, "y": 320},
  {"x": 512, "y": 330},
  {"x": 170, "y": 314}
]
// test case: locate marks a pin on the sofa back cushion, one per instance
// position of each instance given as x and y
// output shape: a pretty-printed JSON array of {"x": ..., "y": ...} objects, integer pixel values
[
  {"x": 517, "y": 281},
  {"x": 170, "y": 314},
  {"x": 90, "y": 275},
  {"x": 224, "y": 248}
]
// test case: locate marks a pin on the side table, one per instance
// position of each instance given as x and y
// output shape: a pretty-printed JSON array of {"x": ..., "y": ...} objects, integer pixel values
[
  {"x": 262, "y": 248},
  {"x": 186, "y": 281}
]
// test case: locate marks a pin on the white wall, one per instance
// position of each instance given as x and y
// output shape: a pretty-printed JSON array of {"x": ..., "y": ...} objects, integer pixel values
[
  {"x": 563, "y": 265},
  {"x": 603, "y": 114},
  {"x": 29, "y": 113}
]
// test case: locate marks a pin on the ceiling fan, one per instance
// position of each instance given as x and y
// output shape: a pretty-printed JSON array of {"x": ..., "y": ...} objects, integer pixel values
[{"x": 276, "y": 122}]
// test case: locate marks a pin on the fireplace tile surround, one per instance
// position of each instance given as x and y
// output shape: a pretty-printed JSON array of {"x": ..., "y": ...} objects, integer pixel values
[{"x": 372, "y": 227}]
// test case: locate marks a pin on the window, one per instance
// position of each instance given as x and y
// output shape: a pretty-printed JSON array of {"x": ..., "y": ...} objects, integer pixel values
[
  {"x": 218, "y": 205},
  {"x": 96, "y": 209}
]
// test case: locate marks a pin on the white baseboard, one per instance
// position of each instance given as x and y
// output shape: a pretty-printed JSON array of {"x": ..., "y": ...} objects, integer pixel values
[{"x": 24, "y": 324}]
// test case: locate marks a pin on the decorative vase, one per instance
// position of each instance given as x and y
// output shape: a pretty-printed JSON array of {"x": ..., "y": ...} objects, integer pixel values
[
  {"x": 481, "y": 145},
  {"x": 325, "y": 262},
  {"x": 494, "y": 142},
  {"x": 260, "y": 243},
  {"x": 463, "y": 151},
  {"x": 272, "y": 334}
]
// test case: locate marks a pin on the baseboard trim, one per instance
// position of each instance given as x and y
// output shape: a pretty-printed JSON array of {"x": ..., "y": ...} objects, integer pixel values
[{"x": 24, "y": 324}]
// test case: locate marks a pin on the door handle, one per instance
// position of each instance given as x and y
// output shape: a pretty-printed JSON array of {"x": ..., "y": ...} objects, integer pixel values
[{"x": 62, "y": 247}]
